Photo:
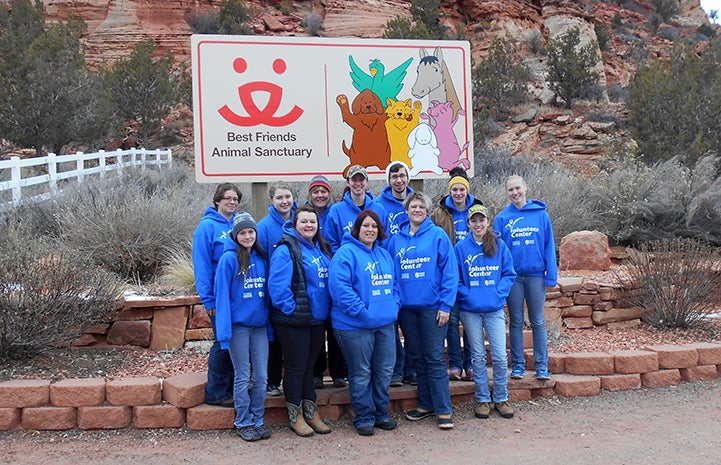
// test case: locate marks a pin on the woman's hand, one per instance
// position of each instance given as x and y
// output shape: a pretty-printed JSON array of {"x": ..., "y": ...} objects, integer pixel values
[{"x": 442, "y": 317}]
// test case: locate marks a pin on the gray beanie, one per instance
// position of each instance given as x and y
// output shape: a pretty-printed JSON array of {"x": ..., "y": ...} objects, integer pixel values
[{"x": 242, "y": 220}]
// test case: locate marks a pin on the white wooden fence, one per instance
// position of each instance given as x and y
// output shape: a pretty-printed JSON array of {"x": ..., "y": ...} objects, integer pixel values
[{"x": 17, "y": 173}]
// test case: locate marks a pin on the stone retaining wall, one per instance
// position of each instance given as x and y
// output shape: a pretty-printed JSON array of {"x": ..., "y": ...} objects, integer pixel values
[{"x": 147, "y": 402}]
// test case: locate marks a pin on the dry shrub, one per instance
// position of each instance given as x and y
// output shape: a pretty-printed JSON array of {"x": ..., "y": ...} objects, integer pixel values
[
  {"x": 680, "y": 280},
  {"x": 49, "y": 295}
]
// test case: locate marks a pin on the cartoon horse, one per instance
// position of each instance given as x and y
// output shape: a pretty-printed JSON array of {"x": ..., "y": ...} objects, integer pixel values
[
  {"x": 434, "y": 80},
  {"x": 441, "y": 119}
]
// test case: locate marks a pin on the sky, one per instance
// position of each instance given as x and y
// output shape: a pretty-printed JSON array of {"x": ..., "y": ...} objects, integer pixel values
[{"x": 709, "y": 5}]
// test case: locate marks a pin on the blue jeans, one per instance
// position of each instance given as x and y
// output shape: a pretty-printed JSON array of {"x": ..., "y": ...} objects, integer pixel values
[
  {"x": 457, "y": 356},
  {"x": 531, "y": 289},
  {"x": 495, "y": 325},
  {"x": 369, "y": 356},
  {"x": 220, "y": 372},
  {"x": 424, "y": 345},
  {"x": 249, "y": 348}
]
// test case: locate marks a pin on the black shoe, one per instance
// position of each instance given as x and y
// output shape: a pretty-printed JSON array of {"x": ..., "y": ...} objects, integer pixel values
[
  {"x": 263, "y": 432},
  {"x": 388, "y": 425},
  {"x": 318, "y": 382},
  {"x": 365, "y": 430},
  {"x": 340, "y": 383},
  {"x": 248, "y": 433},
  {"x": 410, "y": 379},
  {"x": 396, "y": 381},
  {"x": 227, "y": 403},
  {"x": 416, "y": 414}
]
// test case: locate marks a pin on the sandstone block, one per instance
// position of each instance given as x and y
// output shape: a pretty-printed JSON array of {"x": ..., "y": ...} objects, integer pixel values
[
  {"x": 699, "y": 373},
  {"x": 578, "y": 323},
  {"x": 556, "y": 362},
  {"x": 200, "y": 334},
  {"x": 21, "y": 393},
  {"x": 671, "y": 356},
  {"x": 9, "y": 418},
  {"x": 617, "y": 314},
  {"x": 168, "y": 330},
  {"x": 78, "y": 392},
  {"x": 708, "y": 353},
  {"x": 105, "y": 417},
  {"x": 661, "y": 378},
  {"x": 605, "y": 293},
  {"x": 519, "y": 395},
  {"x": 577, "y": 311},
  {"x": 129, "y": 313},
  {"x": 158, "y": 416},
  {"x": 586, "y": 299},
  {"x": 559, "y": 302},
  {"x": 635, "y": 361},
  {"x": 589, "y": 363},
  {"x": 48, "y": 418},
  {"x": 603, "y": 306},
  {"x": 621, "y": 382},
  {"x": 134, "y": 333},
  {"x": 199, "y": 318},
  {"x": 186, "y": 390},
  {"x": 543, "y": 392},
  {"x": 569, "y": 284},
  {"x": 577, "y": 386},
  {"x": 207, "y": 417},
  {"x": 584, "y": 250},
  {"x": 133, "y": 391},
  {"x": 624, "y": 324}
]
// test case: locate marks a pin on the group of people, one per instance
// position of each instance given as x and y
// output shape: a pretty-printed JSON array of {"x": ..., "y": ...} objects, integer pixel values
[{"x": 354, "y": 273}]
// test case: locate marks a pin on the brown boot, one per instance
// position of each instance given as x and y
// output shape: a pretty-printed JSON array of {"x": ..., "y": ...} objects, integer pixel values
[
  {"x": 312, "y": 417},
  {"x": 297, "y": 422}
]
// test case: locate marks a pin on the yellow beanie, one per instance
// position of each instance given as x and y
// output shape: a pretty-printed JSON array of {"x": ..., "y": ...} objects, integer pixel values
[{"x": 459, "y": 180}]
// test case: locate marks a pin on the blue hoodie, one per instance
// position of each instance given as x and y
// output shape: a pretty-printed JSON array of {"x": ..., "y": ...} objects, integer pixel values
[
  {"x": 426, "y": 267},
  {"x": 485, "y": 281},
  {"x": 397, "y": 215},
  {"x": 363, "y": 287},
  {"x": 208, "y": 245},
  {"x": 460, "y": 217},
  {"x": 270, "y": 229},
  {"x": 240, "y": 300},
  {"x": 343, "y": 214},
  {"x": 322, "y": 220},
  {"x": 315, "y": 263},
  {"x": 529, "y": 235}
]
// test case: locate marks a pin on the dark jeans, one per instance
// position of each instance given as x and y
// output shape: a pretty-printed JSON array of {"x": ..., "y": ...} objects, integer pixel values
[
  {"x": 332, "y": 359},
  {"x": 300, "y": 346},
  {"x": 275, "y": 362},
  {"x": 221, "y": 375}
]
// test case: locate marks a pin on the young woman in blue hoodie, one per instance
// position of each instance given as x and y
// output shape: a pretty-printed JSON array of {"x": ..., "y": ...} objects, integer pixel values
[
  {"x": 298, "y": 287},
  {"x": 525, "y": 227},
  {"x": 365, "y": 308},
  {"x": 486, "y": 276},
  {"x": 241, "y": 321},
  {"x": 270, "y": 230},
  {"x": 208, "y": 244},
  {"x": 427, "y": 274}
]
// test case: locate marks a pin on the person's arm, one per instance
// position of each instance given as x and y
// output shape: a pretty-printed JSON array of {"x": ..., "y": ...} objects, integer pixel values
[
  {"x": 280, "y": 278},
  {"x": 550, "y": 253},
  {"x": 202, "y": 266},
  {"x": 223, "y": 281},
  {"x": 342, "y": 274}
]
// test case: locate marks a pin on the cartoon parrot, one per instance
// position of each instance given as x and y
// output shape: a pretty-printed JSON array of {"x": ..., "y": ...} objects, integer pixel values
[{"x": 381, "y": 84}]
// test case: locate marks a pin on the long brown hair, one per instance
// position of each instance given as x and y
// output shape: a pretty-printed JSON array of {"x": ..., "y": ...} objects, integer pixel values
[
  {"x": 324, "y": 247},
  {"x": 244, "y": 255}
]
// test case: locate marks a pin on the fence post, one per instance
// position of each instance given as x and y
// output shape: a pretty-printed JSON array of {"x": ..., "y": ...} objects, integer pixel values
[
  {"x": 142, "y": 159},
  {"x": 53, "y": 173},
  {"x": 79, "y": 166},
  {"x": 170, "y": 157},
  {"x": 119, "y": 161},
  {"x": 133, "y": 161},
  {"x": 16, "y": 177},
  {"x": 101, "y": 159}
]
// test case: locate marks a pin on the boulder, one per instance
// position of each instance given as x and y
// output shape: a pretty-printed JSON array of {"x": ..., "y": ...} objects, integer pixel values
[{"x": 585, "y": 250}]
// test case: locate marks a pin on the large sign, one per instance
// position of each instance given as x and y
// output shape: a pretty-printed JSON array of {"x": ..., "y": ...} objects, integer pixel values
[{"x": 289, "y": 108}]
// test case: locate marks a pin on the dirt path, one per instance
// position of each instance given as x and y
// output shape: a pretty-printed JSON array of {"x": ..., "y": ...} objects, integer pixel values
[{"x": 662, "y": 426}]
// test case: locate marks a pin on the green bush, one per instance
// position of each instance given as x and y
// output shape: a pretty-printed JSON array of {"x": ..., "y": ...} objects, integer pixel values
[
  {"x": 205, "y": 22},
  {"x": 570, "y": 66},
  {"x": 314, "y": 23},
  {"x": 49, "y": 294},
  {"x": 680, "y": 280}
]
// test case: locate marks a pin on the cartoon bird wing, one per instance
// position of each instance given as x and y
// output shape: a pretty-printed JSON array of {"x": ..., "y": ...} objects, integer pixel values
[
  {"x": 361, "y": 80},
  {"x": 393, "y": 80}
]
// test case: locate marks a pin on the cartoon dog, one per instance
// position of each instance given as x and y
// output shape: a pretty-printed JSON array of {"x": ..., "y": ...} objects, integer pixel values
[
  {"x": 402, "y": 118},
  {"x": 369, "y": 146},
  {"x": 423, "y": 150},
  {"x": 442, "y": 120}
]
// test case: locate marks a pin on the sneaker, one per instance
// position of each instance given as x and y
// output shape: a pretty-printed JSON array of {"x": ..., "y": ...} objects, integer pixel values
[
  {"x": 263, "y": 432},
  {"x": 417, "y": 414},
  {"x": 517, "y": 373},
  {"x": 396, "y": 381},
  {"x": 227, "y": 403},
  {"x": 318, "y": 382},
  {"x": 543, "y": 375},
  {"x": 504, "y": 408},
  {"x": 454, "y": 374},
  {"x": 339, "y": 383},
  {"x": 469, "y": 375},
  {"x": 411, "y": 379},
  {"x": 272, "y": 390},
  {"x": 365, "y": 430},
  {"x": 445, "y": 421},
  {"x": 248, "y": 433},
  {"x": 483, "y": 410},
  {"x": 388, "y": 425}
]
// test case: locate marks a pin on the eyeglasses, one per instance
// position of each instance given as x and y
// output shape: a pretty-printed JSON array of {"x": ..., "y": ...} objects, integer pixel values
[
  {"x": 398, "y": 176},
  {"x": 231, "y": 199}
]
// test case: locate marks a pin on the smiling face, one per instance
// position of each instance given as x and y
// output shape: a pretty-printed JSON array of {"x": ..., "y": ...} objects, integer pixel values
[
  {"x": 358, "y": 184},
  {"x": 368, "y": 232},
  {"x": 246, "y": 238},
  {"x": 478, "y": 224},
  {"x": 228, "y": 203},
  {"x": 459, "y": 193},
  {"x": 516, "y": 189},
  {"x": 417, "y": 212},
  {"x": 282, "y": 200},
  {"x": 306, "y": 223},
  {"x": 319, "y": 197},
  {"x": 399, "y": 182}
]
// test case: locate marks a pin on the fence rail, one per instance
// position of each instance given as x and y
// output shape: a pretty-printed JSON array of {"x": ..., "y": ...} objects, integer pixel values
[{"x": 46, "y": 172}]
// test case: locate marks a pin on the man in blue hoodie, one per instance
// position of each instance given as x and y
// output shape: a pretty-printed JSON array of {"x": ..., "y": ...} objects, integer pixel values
[{"x": 525, "y": 227}]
